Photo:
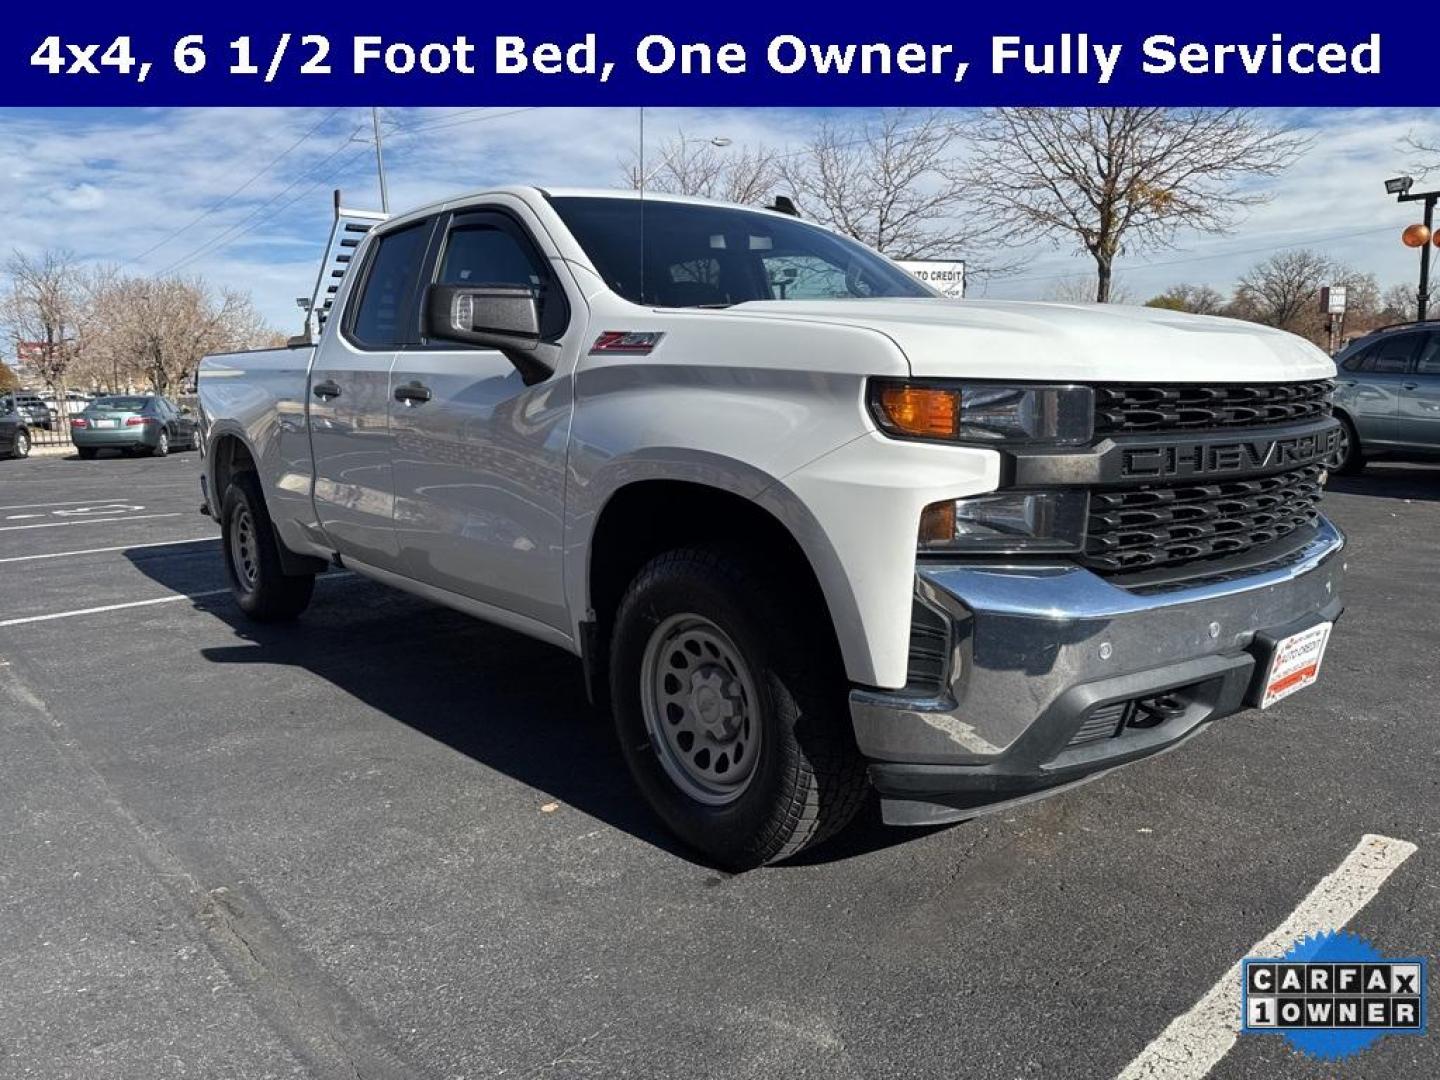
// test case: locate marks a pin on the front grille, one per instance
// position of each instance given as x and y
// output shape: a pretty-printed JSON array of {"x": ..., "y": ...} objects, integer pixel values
[
  {"x": 1168, "y": 524},
  {"x": 1126, "y": 408}
]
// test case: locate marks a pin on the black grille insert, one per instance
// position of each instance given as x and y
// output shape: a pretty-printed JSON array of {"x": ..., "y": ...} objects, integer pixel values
[
  {"x": 1125, "y": 408},
  {"x": 1165, "y": 525}
]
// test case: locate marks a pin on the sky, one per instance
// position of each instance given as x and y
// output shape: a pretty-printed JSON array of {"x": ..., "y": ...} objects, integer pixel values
[{"x": 242, "y": 196}]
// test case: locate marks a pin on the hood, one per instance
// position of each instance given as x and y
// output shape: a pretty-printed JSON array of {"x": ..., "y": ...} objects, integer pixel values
[{"x": 997, "y": 339}]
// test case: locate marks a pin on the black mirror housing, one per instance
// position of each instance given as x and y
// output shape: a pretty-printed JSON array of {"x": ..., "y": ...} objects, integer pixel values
[{"x": 503, "y": 317}]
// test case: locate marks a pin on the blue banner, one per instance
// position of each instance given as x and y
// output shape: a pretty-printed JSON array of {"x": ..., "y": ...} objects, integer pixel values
[{"x": 801, "y": 55}]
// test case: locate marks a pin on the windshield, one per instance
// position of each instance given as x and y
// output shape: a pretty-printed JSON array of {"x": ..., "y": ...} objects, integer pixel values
[
  {"x": 714, "y": 256},
  {"x": 121, "y": 404}
]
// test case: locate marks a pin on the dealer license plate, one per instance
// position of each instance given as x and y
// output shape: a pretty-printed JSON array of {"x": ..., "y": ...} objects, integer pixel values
[{"x": 1295, "y": 663}]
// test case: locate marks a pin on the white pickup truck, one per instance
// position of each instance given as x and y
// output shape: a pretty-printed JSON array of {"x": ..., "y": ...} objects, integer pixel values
[{"x": 811, "y": 529}]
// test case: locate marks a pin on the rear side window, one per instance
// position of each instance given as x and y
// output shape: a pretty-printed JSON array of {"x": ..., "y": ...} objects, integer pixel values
[
  {"x": 382, "y": 314},
  {"x": 1392, "y": 355},
  {"x": 1429, "y": 362}
]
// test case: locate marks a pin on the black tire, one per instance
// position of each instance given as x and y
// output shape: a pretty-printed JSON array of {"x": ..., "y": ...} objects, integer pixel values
[
  {"x": 88, "y": 453},
  {"x": 162, "y": 444},
  {"x": 262, "y": 589},
  {"x": 1350, "y": 458},
  {"x": 21, "y": 447},
  {"x": 806, "y": 777}
]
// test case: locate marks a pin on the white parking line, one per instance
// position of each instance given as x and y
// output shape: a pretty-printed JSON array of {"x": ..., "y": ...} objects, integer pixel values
[
  {"x": 112, "y": 607},
  {"x": 89, "y": 521},
  {"x": 101, "y": 551},
  {"x": 1195, "y": 1042},
  {"x": 90, "y": 502},
  {"x": 144, "y": 603}
]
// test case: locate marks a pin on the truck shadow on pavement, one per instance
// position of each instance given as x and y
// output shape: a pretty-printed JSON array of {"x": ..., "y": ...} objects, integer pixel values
[{"x": 510, "y": 703}]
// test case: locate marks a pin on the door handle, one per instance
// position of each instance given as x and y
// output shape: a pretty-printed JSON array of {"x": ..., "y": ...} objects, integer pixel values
[
  {"x": 327, "y": 389},
  {"x": 412, "y": 393}
]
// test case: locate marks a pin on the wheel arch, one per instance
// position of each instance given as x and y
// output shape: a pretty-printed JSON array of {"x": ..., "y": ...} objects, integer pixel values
[{"x": 647, "y": 516}]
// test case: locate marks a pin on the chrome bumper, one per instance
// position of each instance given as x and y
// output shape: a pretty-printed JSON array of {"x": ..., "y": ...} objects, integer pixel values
[{"x": 1032, "y": 652}]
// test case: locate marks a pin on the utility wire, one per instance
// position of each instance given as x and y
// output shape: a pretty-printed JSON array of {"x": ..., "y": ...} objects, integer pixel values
[
  {"x": 257, "y": 215},
  {"x": 217, "y": 205}
]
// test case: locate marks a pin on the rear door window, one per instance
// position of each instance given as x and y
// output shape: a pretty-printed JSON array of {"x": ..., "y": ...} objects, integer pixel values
[
  {"x": 384, "y": 313},
  {"x": 1429, "y": 360},
  {"x": 1392, "y": 355}
]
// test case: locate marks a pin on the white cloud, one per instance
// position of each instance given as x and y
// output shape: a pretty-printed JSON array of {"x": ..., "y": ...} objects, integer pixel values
[{"x": 122, "y": 185}]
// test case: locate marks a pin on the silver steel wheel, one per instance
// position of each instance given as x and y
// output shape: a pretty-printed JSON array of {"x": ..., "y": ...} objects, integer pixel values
[
  {"x": 162, "y": 445},
  {"x": 22, "y": 443},
  {"x": 701, "y": 709},
  {"x": 243, "y": 553}
]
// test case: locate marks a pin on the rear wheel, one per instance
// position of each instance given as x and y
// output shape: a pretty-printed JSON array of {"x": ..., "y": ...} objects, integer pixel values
[
  {"x": 1349, "y": 459},
  {"x": 89, "y": 453},
  {"x": 252, "y": 556},
  {"x": 21, "y": 449},
  {"x": 162, "y": 444},
  {"x": 730, "y": 707}
]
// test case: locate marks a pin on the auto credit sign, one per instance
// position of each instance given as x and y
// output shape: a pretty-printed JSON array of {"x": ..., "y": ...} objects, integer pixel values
[{"x": 946, "y": 276}]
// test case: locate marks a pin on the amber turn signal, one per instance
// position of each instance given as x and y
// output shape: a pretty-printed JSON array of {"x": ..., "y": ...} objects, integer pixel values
[{"x": 927, "y": 412}]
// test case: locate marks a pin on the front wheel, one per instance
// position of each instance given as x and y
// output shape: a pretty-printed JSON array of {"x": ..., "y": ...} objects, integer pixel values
[
  {"x": 730, "y": 707},
  {"x": 252, "y": 557}
]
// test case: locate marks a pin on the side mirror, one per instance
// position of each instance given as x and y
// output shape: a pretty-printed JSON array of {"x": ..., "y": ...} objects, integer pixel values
[{"x": 503, "y": 317}]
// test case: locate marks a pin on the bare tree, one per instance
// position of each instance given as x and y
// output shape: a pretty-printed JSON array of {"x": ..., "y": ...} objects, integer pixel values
[
  {"x": 1399, "y": 303},
  {"x": 1078, "y": 290},
  {"x": 1196, "y": 299},
  {"x": 41, "y": 311},
  {"x": 688, "y": 166},
  {"x": 155, "y": 330},
  {"x": 8, "y": 379},
  {"x": 896, "y": 184},
  {"x": 1426, "y": 151},
  {"x": 1284, "y": 291},
  {"x": 1122, "y": 180}
]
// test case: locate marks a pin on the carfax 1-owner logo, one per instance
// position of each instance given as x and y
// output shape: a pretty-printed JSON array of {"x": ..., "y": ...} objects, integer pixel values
[{"x": 1333, "y": 995}]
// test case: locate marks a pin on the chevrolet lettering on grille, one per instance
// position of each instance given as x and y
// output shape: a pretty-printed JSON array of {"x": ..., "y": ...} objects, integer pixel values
[{"x": 1229, "y": 456}]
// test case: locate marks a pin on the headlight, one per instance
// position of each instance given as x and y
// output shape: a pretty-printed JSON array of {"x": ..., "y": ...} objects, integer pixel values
[
  {"x": 1008, "y": 522},
  {"x": 984, "y": 413}
]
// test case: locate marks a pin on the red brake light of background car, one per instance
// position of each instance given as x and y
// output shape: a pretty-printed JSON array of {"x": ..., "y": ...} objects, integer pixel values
[
  {"x": 136, "y": 421},
  {"x": 79, "y": 421}
]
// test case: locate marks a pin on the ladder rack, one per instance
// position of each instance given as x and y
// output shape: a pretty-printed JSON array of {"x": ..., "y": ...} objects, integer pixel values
[{"x": 346, "y": 232}]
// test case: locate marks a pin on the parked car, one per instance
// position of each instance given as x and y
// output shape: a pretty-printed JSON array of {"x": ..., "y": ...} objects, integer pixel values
[
  {"x": 1387, "y": 395},
  {"x": 132, "y": 423},
  {"x": 811, "y": 528},
  {"x": 37, "y": 414},
  {"x": 14, "y": 429}
]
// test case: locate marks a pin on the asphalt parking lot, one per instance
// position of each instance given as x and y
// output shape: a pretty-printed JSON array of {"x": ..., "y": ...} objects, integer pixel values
[{"x": 389, "y": 841}]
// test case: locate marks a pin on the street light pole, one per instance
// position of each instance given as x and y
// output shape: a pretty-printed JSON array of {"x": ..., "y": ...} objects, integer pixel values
[
  {"x": 1423, "y": 295},
  {"x": 1400, "y": 188},
  {"x": 380, "y": 161}
]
